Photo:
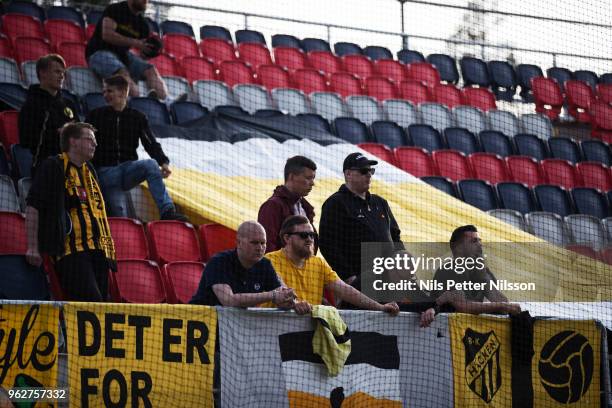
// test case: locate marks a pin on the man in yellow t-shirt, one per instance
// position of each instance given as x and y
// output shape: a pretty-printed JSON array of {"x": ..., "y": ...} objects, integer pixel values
[{"x": 308, "y": 275}]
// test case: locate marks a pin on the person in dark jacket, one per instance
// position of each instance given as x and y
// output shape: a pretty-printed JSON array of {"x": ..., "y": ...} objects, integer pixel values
[
  {"x": 119, "y": 130},
  {"x": 353, "y": 215},
  {"x": 288, "y": 199},
  {"x": 45, "y": 110},
  {"x": 66, "y": 218}
]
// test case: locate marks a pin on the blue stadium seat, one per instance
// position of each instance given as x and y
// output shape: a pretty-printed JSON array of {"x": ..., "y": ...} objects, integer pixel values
[
  {"x": 410, "y": 56},
  {"x": 587, "y": 76},
  {"x": 560, "y": 75},
  {"x": 4, "y": 163},
  {"x": 231, "y": 110},
  {"x": 22, "y": 281},
  {"x": 9, "y": 71},
  {"x": 153, "y": 26},
  {"x": 65, "y": 13},
  {"x": 511, "y": 217},
  {"x": 267, "y": 113},
  {"x": 478, "y": 193},
  {"x": 389, "y": 133},
  {"x": 564, "y": 148},
  {"x": 249, "y": 36},
  {"x": 553, "y": 199},
  {"x": 285, "y": 40},
  {"x": 22, "y": 161},
  {"x": 589, "y": 201},
  {"x": 461, "y": 139},
  {"x": 524, "y": 74},
  {"x": 13, "y": 95},
  {"x": 212, "y": 31},
  {"x": 597, "y": 151},
  {"x": 446, "y": 65},
  {"x": 316, "y": 121},
  {"x": 352, "y": 130},
  {"x": 517, "y": 197},
  {"x": 496, "y": 142},
  {"x": 93, "y": 101},
  {"x": 503, "y": 80},
  {"x": 178, "y": 27},
  {"x": 425, "y": 136},
  {"x": 347, "y": 48},
  {"x": 530, "y": 145},
  {"x": 376, "y": 52},
  {"x": 93, "y": 16},
  {"x": 474, "y": 72},
  {"x": 29, "y": 8},
  {"x": 441, "y": 183},
  {"x": 183, "y": 112},
  {"x": 315, "y": 44},
  {"x": 154, "y": 110},
  {"x": 606, "y": 78}
]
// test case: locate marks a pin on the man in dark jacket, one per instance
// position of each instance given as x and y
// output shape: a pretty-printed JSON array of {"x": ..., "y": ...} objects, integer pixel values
[
  {"x": 119, "y": 130},
  {"x": 45, "y": 111},
  {"x": 353, "y": 215},
  {"x": 288, "y": 199}
]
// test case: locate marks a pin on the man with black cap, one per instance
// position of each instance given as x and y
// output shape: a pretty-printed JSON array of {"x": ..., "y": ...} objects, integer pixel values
[{"x": 353, "y": 215}]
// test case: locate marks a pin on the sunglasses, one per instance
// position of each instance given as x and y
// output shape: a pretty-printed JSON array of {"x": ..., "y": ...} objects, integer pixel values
[
  {"x": 304, "y": 235},
  {"x": 365, "y": 170}
]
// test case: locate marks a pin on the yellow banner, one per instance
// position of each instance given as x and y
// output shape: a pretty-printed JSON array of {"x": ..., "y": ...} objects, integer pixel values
[
  {"x": 140, "y": 355},
  {"x": 565, "y": 367},
  {"x": 28, "y": 346},
  {"x": 482, "y": 361}
]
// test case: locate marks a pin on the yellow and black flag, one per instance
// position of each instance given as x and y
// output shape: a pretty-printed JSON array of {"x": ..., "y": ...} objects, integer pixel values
[{"x": 369, "y": 378}]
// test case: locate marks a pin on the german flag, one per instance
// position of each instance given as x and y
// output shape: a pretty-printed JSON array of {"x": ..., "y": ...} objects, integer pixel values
[{"x": 368, "y": 379}]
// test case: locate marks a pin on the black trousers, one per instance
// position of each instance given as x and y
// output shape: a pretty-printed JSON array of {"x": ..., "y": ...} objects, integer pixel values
[{"x": 84, "y": 276}]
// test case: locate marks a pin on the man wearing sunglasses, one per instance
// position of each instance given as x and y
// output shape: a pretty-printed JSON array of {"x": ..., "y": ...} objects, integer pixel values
[
  {"x": 309, "y": 275},
  {"x": 353, "y": 215}
]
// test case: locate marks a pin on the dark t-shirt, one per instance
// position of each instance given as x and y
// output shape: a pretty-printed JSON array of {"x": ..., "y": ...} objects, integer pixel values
[
  {"x": 128, "y": 24},
  {"x": 225, "y": 268},
  {"x": 445, "y": 274}
]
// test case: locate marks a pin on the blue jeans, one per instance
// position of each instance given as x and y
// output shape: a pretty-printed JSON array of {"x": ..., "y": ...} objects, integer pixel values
[
  {"x": 106, "y": 63},
  {"x": 128, "y": 175}
]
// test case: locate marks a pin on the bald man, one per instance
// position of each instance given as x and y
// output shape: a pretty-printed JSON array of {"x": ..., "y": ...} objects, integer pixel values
[{"x": 242, "y": 277}]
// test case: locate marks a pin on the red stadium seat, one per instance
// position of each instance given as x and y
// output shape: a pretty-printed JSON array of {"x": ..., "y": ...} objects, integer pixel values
[
  {"x": 254, "y": 54},
  {"x": 73, "y": 53},
  {"x": 324, "y": 61},
  {"x": 601, "y": 121},
  {"x": 166, "y": 65},
  {"x": 182, "y": 280},
  {"x": 138, "y": 281},
  {"x": 604, "y": 93},
  {"x": 180, "y": 45},
  {"x": 447, "y": 94},
  {"x": 414, "y": 91},
  {"x": 595, "y": 175},
  {"x": 13, "y": 238},
  {"x": 548, "y": 96},
  {"x": 235, "y": 72},
  {"x": 345, "y": 84},
  {"x": 6, "y": 49},
  {"x": 89, "y": 30},
  {"x": 606, "y": 255},
  {"x": 391, "y": 69},
  {"x": 415, "y": 161},
  {"x": 129, "y": 237},
  {"x": 59, "y": 31},
  {"x": 423, "y": 72},
  {"x": 452, "y": 164},
  {"x": 9, "y": 128},
  {"x": 198, "y": 68},
  {"x": 489, "y": 167},
  {"x": 19, "y": 25},
  {"x": 290, "y": 58},
  {"x": 480, "y": 98},
  {"x": 579, "y": 98},
  {"x": 273, "y": 76},
  {"x": 173, "y": 241},
  {"x": 216, "y": 238},
  {"x": 380, "y": 88},
  {"x": 526, "y": 170},
  {"x": 561, "y": 173},
  {"x": 359, "y": 65},
  {"x": 584, "y": 250},
  {"x": 31, "y": 48},
  {"x": 379, "y": 150},
  {"x": 309, "y": 80},
  {"x": 217, "y": 50}
]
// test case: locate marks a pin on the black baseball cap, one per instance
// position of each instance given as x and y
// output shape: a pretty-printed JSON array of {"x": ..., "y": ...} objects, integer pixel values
[{"x": 357, "y": 161}]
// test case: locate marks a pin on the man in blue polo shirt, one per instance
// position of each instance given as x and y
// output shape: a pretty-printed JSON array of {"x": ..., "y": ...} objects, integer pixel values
[{"x": 242, "y": 277}]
